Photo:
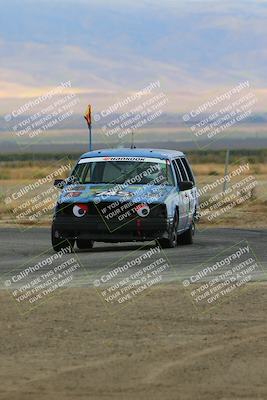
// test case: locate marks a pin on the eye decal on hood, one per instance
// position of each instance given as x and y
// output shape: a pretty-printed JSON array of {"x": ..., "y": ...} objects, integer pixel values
[{"x": 79, "y": 210}]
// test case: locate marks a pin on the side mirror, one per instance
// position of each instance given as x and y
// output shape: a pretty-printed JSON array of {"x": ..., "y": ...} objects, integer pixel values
[
  {"x": 59, "y": 183},
  {"x": 186, "y": 185}
]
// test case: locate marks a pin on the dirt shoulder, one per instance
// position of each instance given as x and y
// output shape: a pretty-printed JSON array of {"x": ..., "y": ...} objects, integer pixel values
[{"x": 160, "y": 348}]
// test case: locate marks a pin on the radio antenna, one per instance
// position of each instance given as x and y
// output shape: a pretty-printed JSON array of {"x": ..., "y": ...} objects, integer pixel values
[{"x": 133, "y": 145}]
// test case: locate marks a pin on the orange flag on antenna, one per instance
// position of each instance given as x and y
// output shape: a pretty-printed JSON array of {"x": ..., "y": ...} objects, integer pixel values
[{"x": 88, "y": 115}]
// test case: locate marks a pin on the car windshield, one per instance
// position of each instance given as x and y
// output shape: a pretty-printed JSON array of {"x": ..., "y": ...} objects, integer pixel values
[{"x": 130, "y": 172}]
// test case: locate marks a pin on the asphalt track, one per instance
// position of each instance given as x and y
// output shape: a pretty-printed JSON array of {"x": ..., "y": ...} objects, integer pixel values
[{"x": 19, "y": 247}]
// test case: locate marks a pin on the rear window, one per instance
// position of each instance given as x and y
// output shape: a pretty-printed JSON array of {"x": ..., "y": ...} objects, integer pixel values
[
  {"x": 181, "y": 169},
  {"x": 188, "y": 170}
]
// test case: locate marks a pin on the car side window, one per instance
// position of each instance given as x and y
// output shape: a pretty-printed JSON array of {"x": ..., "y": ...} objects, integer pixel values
[
  {"x": 188, "y": 170},
  {"x": 181, "y": 170}
]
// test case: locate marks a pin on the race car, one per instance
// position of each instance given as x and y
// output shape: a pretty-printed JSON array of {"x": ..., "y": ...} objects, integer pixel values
[{"x": 126, "y": 195}]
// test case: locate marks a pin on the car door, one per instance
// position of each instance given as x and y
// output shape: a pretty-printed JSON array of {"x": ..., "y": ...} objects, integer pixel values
[
  {"x": 186, "y": 195},
  {"x": 182, "y": 199},
  {"x": 193, "y": 192}
]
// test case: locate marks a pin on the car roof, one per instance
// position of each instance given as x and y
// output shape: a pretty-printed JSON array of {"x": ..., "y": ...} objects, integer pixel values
[{"x": 152, "y": 153}]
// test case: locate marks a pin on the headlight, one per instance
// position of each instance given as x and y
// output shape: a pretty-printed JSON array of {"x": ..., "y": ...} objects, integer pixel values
[
  {"x": 142, "y": 210},
  {"x": 79, "y": 210}
]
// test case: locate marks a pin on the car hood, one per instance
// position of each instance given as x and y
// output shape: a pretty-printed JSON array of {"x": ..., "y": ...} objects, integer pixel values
[{"x": 84, "y": 193}]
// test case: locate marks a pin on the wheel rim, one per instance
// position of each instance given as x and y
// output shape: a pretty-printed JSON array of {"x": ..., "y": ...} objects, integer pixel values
[
  {"x": 174, "y": 238},
  {"x": 193, "y": 228},
  {"x": 174, "y": 231}
]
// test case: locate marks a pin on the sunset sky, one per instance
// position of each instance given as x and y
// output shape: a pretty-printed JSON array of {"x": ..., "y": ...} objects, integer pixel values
[{"x": 108, "y": 49}]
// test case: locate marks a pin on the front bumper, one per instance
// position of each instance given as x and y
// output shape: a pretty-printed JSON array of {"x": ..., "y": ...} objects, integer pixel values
[{"x": 94, "y": 227}]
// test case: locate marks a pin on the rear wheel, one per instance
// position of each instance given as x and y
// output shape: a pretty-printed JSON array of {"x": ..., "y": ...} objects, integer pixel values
[
  {"x": 187, "y": 236},
  {"x": 84, "y": 244},
  {"x": 171, "y": 242},
  {"x": 60, "y": 244}
]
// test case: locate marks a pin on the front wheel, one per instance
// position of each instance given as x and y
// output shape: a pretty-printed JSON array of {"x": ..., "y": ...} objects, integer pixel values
[
  {"x": 59, "y": 244},
  {"x": 171, "y": 242},
  {"x": 187, "y": 236}
]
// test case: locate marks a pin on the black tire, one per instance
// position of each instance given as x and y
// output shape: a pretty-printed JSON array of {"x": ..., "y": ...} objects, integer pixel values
[
  {"x": 187, "y": 237},
  {"x": 171, "y": 242},
  {"x": 60, "y": 244},
  {"x": 83, "y": 244}
]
